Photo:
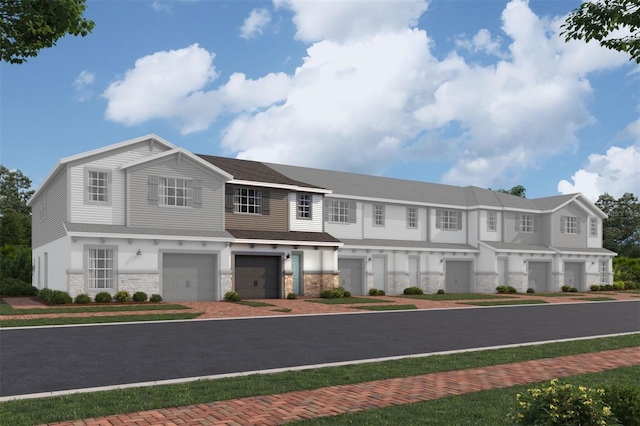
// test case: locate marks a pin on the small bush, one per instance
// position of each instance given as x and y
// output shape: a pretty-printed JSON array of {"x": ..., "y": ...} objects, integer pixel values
[
  {"x": 565, "y": 288},
  {"x": 413, "y": 290},
  {"x": 102, "y": 297},
  {"x": 376, "y": 292},
  {"x": 334, "y": 293},
  {"x": 155, "y": 298},
  {"x": 292, "y": 296},
  {"x": 441, "y": 291},
  {"x": 608, "y": 287},
  {"x": 325, "y": 294},
  {"x": 573, "y": 290},
  {"x": 15, "y": 287},
  {"x": 501, "y": 289},
  {"x": 46, "y": 294},
  {"x": 139, "y": 296},
  {"x": 618, "y": 285},
  {"x": 624, "y": 401},
  {"x": 511, "y": 289},
  {"x": 347, "y": 293},
  {"x": 60, "y": 298},
  {"x": 562, "y": 404},
  {"x": 595, "y": 287},
  {"x": 123, "y": 296},
  {"x": 530, "y": 290},
  {"x": 82, "y": 298},
  {"x": 232, "y": 296}
]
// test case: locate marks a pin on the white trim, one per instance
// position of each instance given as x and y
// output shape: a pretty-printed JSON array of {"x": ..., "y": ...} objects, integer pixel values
[
  {"x": 280, "y": 186},
  {"x": 287, "y": 242},
  {"x": 180, "y": 152}
]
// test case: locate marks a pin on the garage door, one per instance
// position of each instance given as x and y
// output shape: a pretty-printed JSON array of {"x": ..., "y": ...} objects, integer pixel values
[
  {"x": 257, "y": 277},
  {"x": 351, "y": 271},
  {"x": 539, "y": 276},
  {"x": 458, "y": 276},
  {"x": 188, "y": 277},
  {"x": 573, "y": 274}
]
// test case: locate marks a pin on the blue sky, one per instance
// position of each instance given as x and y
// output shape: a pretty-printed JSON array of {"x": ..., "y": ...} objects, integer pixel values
[{"x": 479, "y": 93}]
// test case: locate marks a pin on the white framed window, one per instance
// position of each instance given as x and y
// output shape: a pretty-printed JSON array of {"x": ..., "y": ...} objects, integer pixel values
[
  {"x": 101, "y": 269},
  {"x": 570, "y": 225},
  {"x": 412, "y": 217},
  {"x": 339, "y": 211},
  {"x": 604, "y": 272},
  {"x": 527, "y": 222},
  {"x": 303, "y": 206},
  {"x": 247, "y": 200},
  {"x": 492, "y": 221},
  {"x": 176, "y": 192},
  {"x": 450, "y": 220},
  {"x": 98, "y": 188},
  {"x": 593, "y": 227},
  {"x": 378, "y": 215}
]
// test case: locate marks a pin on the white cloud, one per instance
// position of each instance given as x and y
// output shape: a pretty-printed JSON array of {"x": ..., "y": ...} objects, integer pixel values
[
  {"x": 81, "y": 85},
  {"x": 616, "y": 172},
  {"x": 482, "y": 42},
  {"x": 161, "y": 6},
  {"x": 255, "y": 23}
]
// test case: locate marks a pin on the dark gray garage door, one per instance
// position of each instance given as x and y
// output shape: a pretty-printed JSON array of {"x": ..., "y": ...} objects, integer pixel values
[
  {"x": 351, "y": 271},
  {"x": 188, "y": 277},
  {"x": 539, "y": 276},
  {"x": 573, "y": 274},
  {"x": 257, "y": 277},
  {"x": 457, "y": 276}
]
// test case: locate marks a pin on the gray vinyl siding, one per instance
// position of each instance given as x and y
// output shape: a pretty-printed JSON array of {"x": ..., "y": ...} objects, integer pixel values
[
  {"x": 561, "y": 239},
  {"x": 511, "y": 235},
  {"x": 276, "y": 220},
  {"x": 52, "y": 227},
  {"x": 143, "y": 214}
]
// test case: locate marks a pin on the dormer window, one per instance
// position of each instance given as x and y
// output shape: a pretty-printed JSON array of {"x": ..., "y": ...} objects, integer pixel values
[
  {"x": 303, "y": 206},
  {"x": 97, "y": 186}
]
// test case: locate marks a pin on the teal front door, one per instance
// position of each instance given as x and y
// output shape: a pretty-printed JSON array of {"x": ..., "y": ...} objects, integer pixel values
[{"x": 295, "y": 268}]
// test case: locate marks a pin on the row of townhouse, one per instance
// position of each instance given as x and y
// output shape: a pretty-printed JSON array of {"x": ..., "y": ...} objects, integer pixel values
[{"x": 145, "y": 215}]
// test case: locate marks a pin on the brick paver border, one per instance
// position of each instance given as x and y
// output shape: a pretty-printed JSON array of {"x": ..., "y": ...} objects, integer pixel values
[{"x": 335, "y": 400}]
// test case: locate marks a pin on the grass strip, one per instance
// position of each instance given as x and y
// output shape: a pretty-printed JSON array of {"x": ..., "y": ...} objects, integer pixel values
[
  {"x": 253, "y": 304},
  {"x": 348, "y": 300},
  {"x": 563, "y": 294},
  {"x": 456, "y": 296},
  {"x": 95, "y": 319},
  {"x": 96, "y": 404},
  {"x": 597, "y": 299},
  {"x": 282, "y": 310},
  {"x": 387, "y": 307},
  {"x": 506, "y": 302},
  {"x": 490, "y": 407},
  {"x": 6, "y": 309}
]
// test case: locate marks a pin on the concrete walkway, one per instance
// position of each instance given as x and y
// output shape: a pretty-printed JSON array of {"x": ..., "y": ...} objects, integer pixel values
[{"x": 335, "y": 400}]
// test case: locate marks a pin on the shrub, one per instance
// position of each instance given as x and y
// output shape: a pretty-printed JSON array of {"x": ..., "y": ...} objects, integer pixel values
[
  {"x": 139, "y": 296},
  {"x": 155, "y": 298},
  {"x": 501, "y": 289},
  {"x": 46, "y": 294},
  {"x": 102, "y": 297},
  {"x": 334, "y": 293},
  {"x": 14, "y": 287},
  {"x": 565, "y": 288},
  {"x": 60, "y": 298},
  {"x": 595, "y": 287},
  {"x": 618, "y": 285},
  {"x": 122, "y": 296},
  {"x": 325, "y": 294},
  {"x": 573, "y": 290},
  {"x": 292, "y": 296},
  {"x": 376, "y": 292},
  {"x": 15, "y": 262},
  {"x": 608, "y": 287},
  {"x": 562, "y": 404},
  {"x": 511, "y": 289},
  {"x": 347, "y": 293},
  {"x": 232, "y": 296},
  {"x": 624, "y": 401},
  {"x": 82, "y": 298},
  {"x": 441, "y": 291},
  {"x": 530, "y": 290},
  {"x": 413, "y": 290}
]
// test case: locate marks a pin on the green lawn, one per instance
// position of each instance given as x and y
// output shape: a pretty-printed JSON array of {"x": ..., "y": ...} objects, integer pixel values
[
  {"x": 597, "y": 299},
  {"x": 95, "y": 319},
  {"x": 253, "y": 304},
  {"x": 386, "y": 307},
  {"x": 79, "y": 406},
  {"x": 506, "y": 302},
  {"x": 6, "y": 309},
  {"x": 456, "y": 296},
  {"x": 563, "y": 294},
  {"x": 348, "y": 300}
]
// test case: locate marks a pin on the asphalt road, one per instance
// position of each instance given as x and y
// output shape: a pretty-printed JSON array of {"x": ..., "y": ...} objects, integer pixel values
[{"x": 63, "y": 358}]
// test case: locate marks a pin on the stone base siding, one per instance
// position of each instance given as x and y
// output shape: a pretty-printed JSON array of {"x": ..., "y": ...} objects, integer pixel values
[
  {"x": 396, "y": 283},
  {"x": 486, "y": 283},
  {"x": 592, "y": 279},
  {"x": 75, "y": 284},
  {"x": 226, "y": 283},
  {"x": 557, "y": 282},
  {"x": 518, "y": 281},
  {"x": 432, "y": 282},
  {"x": 315, "y": 283},
  {"x": 288, "y": 285},
  {"x": 148, "y": 283}
]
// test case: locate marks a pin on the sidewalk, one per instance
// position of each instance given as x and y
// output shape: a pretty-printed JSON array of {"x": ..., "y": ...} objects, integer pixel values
[{"x": 335, "y": 400}]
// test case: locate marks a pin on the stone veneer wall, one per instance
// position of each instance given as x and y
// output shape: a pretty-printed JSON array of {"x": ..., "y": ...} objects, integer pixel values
[
  {"x": 556, "y": 282},
  {"x": 288, "y": 284},
  {"x": 486, "y": 282},
  {"x": 432, "y": 282},
  {"x": 75, "y": 284},
  {"x": 226, "y": 283},
  {"x": 149, "y": 283},
  {"x": 315, "y": 283},
  {"x": 519, "y": 281},
  {"x": 396, "y": 283}
]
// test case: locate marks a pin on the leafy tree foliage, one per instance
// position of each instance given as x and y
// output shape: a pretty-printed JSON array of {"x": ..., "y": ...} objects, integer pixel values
[
  {"x": 28, "y": 26},
  {"x": 518, "y": 191},
  {"x": 15, "y": 215},
  {"x": 621, "y": 230},
  {"x": 600, "y": 18}
]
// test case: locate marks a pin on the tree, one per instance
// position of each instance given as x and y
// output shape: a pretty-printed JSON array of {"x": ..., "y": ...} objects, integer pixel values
[
  {"x": 518, "y": 191},
  {"x": 600, "y": 18},
  {"x": 28, "y": 26},
  {"x": 621, "y": 230},
  {"x": 15, "y": 215}
]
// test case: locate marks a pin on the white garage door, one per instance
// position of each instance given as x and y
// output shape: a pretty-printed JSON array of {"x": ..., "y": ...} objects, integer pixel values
[
  {"x": 188, "y": 277},
  {"x": 458, "y": 276},
  {"x": 539, "y": 276},
  {"x": 351, "y": 271}
]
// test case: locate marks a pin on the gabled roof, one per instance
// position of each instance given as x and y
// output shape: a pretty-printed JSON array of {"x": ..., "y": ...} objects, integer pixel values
[
  {"x": 246, "y": 171},
  {"x": 62, "y": 163},
  {"x": 180, "y": 152}
]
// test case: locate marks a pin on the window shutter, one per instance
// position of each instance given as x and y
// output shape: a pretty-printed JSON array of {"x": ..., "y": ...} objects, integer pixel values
[
  {"x": 517, "y": 223},
  {"x": 266, "y": 202},
  {"x": 459, "y": 221},
  {"x": 228, "y": 198},
  {"x": 579, "y": 220},
  {"x": 352, "y": 212},
  {"x": 197, "y": 194},
  {"x": 327, "y": 208},
  {"x": 563, "y": 219},
  {"x": 153, "y": 190},
  {"x": 534, "y": 219},
  {"x": 438, "y": 219}
]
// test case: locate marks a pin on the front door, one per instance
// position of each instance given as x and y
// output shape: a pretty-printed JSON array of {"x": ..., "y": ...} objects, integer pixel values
[{"x": 297, "y": 273}]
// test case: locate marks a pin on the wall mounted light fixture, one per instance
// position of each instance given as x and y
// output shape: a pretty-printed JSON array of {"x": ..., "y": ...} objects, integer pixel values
[
  {"x": 288, "y": 256},
  {"x": 139, "y": 253}
]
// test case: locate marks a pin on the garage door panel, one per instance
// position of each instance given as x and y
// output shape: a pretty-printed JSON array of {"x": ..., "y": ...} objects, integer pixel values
[
  {"x": 458, "y": 276},
  {"x": 351, "y": 275},
  {"x": 257, "y": 277},
  {"x": 188, "y": 277},
  {"x": 538, "y": 276}
]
